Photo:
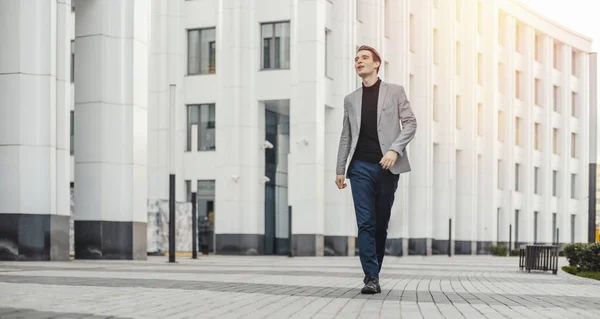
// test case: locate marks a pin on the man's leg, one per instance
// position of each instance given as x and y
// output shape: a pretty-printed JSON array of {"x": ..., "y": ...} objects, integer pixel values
[
  {"x": 363, "y": 183},
  {"x": 386, "y": 189}
]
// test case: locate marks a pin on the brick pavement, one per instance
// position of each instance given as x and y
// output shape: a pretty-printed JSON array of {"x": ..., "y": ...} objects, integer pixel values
[{"x": 281, "y": 287}]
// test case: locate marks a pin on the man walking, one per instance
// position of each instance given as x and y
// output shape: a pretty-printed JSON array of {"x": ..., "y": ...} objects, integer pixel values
[{"x": 375, "y": 143}]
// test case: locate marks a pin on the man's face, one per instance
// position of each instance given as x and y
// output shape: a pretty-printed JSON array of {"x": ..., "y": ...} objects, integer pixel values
[{"x": 364, "y": 63}]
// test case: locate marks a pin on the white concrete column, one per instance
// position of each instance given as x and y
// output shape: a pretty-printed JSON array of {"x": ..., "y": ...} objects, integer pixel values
[
  {"x": 396, "y": 54},
  {"x": 488, "y": 181},
  {"x": 465, "y": 158},
  {"x": 563, "y": 222},
  {"x": 547, "y": 166},
  {"x": 420, "y": 151},
  {"x": 444, "y": 126},
  {"x": 34, "y": 211},
  {"x": 240, "y": 188},
  {"x": 111, "y": 129},
  {"x": 526, "y": 174},
  {"x": 307, "y": 131},
  {"x": 339, "y": 216}
]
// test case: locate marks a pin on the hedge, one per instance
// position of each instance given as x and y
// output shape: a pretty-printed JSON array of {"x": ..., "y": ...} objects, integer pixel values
[{"x": 584, "y": 256}]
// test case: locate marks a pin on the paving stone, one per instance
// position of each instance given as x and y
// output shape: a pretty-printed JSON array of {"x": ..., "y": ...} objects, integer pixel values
[{"x": 299, "y": 287}]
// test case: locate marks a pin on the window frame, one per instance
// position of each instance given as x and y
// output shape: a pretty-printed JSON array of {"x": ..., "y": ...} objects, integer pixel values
[
  {"x": 187, "y": 60},
  {"x": 272, "y": 48}
]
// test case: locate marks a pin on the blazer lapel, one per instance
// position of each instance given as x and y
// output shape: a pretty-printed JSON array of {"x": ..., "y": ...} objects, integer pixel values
[
  {"x": 358, "y": 106},
  {"x": 381, "y": 99}
]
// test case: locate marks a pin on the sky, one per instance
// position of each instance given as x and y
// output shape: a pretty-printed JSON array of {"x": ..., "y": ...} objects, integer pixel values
[{"x": 578, "y": 15}]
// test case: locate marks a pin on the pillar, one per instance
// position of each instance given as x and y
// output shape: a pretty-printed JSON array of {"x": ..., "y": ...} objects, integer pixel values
[
  {"x": 34, "y": 135},
  {"x": 111, "y": 130}
]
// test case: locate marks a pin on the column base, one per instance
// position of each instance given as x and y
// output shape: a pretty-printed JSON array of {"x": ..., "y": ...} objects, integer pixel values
[
  {"x": 439, "y": 247},
  {"x": 484, "y": 247},
  {"x": 419, "y": 246},
  {"x": 339, "y": 246},
  {"x": 463, "y": 247},
  {"x": 110, "y": 240},
  {"x": 33, "y": 237},
  {"x": 308, "y": 245},
  {"x": 394, "y": 247},
  {"x": 240, "y": 244}
]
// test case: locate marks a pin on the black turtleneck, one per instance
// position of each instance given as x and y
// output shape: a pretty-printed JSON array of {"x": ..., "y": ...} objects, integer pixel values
[{"x": 367, "y": 148}]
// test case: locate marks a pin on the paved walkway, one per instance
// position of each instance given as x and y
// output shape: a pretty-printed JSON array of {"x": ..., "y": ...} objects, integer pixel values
[{"x": 279, "y": 287}]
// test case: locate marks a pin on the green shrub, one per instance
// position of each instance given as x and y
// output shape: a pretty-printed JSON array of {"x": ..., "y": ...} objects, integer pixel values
[
  {"x": 573, "y": 252},
  {"x": 515, "y": 252},
  {"x": 499, "y": 250},
  {"x": 589, "y": 258},
  {"x": 570, "y": 269}
]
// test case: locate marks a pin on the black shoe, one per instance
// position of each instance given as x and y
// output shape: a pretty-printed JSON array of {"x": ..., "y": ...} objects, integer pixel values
[
  {"x": 371, "y": 287},
  {"x": 366, "y": 279}
]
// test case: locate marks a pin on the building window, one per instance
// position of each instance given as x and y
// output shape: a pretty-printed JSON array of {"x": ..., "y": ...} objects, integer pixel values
[
  {"x": 573, "y": 145},
  {"x": 359, "y": 16},
  {"x": 554, "y": 239},
  {"x": 555, "y": 96},
  {"x": 536, "y": 136},
  {"x": 72, "y": 61},
  {"x": 188, "y": 191},
  {"x": 555, "y": 183},
  {"x": 386, "y": 17},
  {"x": 498, "y": 225},
  {"x": 436, "y": 47},
  {"x": 573, "y": 104},
  {"x": 538, "y": 92},
  {"x": 479, "y": 69},
  {"x": 203, "y": 117},
  {"x": 202, "y": 51},
  {"x": 516, "y": 228},
  {"x": 501, "y": 79},
  {"x": 435, "y": 103},
  {"x": 328, "y": 54},
  {"x": 518, "y": 84},
  {"x": 479, "y": 119},
  {"x": 411, "y": 26},
  {"x": 517, "y": 168},
  {"x": 556, "y": 56},
  {"x": 555, "y": 141},
  {"x": 500, "y": 126},
  {"x": 501, "y": 27},
  {"x": 536, "y": 179},
  {"x": 518, "y": 38},
  {"x": 479, "y": 18},
  {"x": 573, "y": 186},
  {"x": 72, "y": 132},
  {"x": 574, "y": 63},
  {"x": 458, "y": 113},
  {"x": 537, "y": 48},
  {"x": 500, "y": 175},
  {"x": 573, "y": 228},
  {"x": 275, "y": 45},
  {"x": 457, "y": 58},
  {"x": 535, "y": 227},
  {"x": 517, "y": 131}
]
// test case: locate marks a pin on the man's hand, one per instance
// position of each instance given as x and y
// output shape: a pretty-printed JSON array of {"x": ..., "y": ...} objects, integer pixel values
[
  {"x": 388, "y": 159},
  {"x": 339, "y": 181}
]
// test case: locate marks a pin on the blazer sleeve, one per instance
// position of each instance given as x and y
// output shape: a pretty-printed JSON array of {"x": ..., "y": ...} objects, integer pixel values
[
  {"x": 345, "y": 142},
  {"x": 408, "y": 121}
]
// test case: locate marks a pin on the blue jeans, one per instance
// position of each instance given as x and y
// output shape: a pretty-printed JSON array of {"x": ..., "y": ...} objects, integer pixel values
[{"x": 373, "y": 190}]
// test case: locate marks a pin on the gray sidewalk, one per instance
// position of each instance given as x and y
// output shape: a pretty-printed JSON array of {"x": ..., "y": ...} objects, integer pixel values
[{"x": 280, "y": 287}]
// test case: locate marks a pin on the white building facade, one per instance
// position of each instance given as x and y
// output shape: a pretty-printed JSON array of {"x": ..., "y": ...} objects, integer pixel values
[{"x": 242, "y": 101}]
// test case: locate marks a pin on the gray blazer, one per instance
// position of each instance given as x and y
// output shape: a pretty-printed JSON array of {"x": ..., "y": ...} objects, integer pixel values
[{"x": 393, "y": 109}]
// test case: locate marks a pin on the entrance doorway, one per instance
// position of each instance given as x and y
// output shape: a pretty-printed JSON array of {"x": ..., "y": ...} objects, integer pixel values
[
  {"x": 277, "y": 128},
  {"x": 205, "y": 198}
]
